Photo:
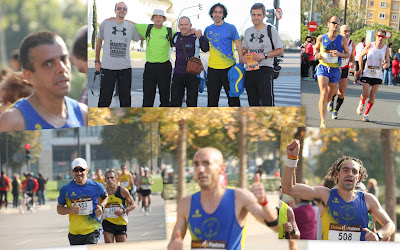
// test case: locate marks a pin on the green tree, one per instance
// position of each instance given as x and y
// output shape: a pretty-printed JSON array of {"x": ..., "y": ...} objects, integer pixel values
[
  {"x": 131, "y": 141},
  {"x": 94, "y": 23}
]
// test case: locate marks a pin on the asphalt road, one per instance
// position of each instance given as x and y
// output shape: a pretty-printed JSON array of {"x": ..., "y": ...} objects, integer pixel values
[
  {"x": 384, "y": 114},
  {"x": 46, "y": 229},
  {"x": 286, "y": 87}
]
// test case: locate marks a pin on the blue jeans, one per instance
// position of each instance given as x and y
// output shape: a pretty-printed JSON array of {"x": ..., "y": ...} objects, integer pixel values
[
  {"x": 387, "y": 76},
  {"x": 42, "y": 195}
]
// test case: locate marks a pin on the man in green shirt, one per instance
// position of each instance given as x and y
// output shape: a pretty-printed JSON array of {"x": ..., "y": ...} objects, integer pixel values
[{"x": 158, "y": 68}]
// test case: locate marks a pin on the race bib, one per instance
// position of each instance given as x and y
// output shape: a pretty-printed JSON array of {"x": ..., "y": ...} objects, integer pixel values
[
  {"x": 329, "y": 58},
  {"x": 373, "y": 71},
  {"x": 208, "y": 244},
  {"x": 125, "y": 183},
  {"x": 344, "y": 233},
  {"x": 110, "y": 210},
  {"x": 145, "y": 187},
  {"x": 86, "y": 205}
]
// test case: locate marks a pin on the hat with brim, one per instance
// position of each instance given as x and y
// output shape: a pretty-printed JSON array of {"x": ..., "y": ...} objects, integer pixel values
[
  {"x": 79, "y": 162},
  {"x": 158, "y": 12}
]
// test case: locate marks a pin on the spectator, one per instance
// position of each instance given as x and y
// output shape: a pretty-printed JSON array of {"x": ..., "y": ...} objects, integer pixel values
[
  {"x": 42, "y": 190},
  {"x": 16, "y": 187},
  {"x": 373, "y": 187},
  {"x": 395, "y": 70},
  {"x": 306, "y": 219},
  {"x": 4, "y": 188}
]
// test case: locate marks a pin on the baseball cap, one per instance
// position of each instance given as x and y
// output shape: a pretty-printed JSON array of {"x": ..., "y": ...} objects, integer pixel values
[
  {"x": 158, "y": 12},
  {"x": 79, "y": 162},
  {"x": 146, "y": 169}
]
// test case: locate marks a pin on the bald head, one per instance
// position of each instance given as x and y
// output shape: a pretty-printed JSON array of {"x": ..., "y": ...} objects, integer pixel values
[
  {"x": 345, "y": 30},
  {"x": 214, "y": 154}
]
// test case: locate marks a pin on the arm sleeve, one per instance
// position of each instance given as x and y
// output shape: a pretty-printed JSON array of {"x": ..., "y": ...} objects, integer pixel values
[
  {"x": 276, "y": 38},
  {"x": 141, "y": 29},
  {"x": 204, "y": 44},
  {"x": 135, "y": 34},
  {"x": 61, "y": 197},
  {"x": 101, "y": 31},
  {"x": 36, "y": 187},
  {"x": 24, "y": 184},
  {"x": 235, "y": 34}
]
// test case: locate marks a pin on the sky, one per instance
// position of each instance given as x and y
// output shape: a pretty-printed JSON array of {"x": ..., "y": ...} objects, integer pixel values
[{"x": 238, "y": 13}]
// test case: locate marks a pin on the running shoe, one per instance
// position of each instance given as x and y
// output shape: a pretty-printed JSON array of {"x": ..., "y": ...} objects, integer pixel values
[
  {"x": 334, "y": 115},
  {"x": 143, "y": 210},
  {"x": 323, "y": 124},
  {"x": 360, "y": 108},
  {"x": 145, "y": 213},
  {"x": 149, "y": 209},
  {"x": 330, "y": 106},
  {"x": 366, "y": 118}
]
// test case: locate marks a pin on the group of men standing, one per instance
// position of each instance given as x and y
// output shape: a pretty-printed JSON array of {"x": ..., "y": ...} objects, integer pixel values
[{"x": 220, "y": 39}]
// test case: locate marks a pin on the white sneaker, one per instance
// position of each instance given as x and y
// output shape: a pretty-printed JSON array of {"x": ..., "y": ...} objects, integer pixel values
[
  {"x": 149, "y": 209},
  {"x": 146, "y": 213},
  {"x": 366, "y": 118},
  {"x": 360, "y": 108},
  {"x": 142, "y": 209}
]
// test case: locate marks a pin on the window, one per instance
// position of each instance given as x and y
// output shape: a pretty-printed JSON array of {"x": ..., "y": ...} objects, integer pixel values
[
  {"x": 371, "y": 3},
  {"x": 383, "y": 4},
  {"x": 370, "y": 15},
  {"x": 395, "y": 6},
  {"x": 382, "y": 16},
  {"x": 394, "y": 17}
]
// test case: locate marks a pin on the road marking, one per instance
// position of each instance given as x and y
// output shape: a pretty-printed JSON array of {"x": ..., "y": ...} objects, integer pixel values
[{"x": 23, "y": 242}]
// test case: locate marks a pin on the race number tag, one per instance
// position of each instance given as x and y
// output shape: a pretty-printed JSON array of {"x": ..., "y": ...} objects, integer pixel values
[
  {"x": 344, "y": 233},
  {"x": 110, "y": 210},
  {"x": 208, "y": 244},
  {"x": 125, "y": 183},
  {"x": 86, "y": 205},
  {"x": 373, "y": 71},
  {"x": 146, "y": 187},
  {"x": 329, "y": 58}
]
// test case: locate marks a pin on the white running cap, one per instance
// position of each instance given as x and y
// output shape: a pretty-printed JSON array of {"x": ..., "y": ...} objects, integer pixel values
[
  {"x": 158, "y": 12},
  {"x": 79, "y": 162}
]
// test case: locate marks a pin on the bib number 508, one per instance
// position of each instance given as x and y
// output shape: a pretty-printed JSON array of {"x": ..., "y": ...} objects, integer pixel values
[{"x": 345, "y": 236}]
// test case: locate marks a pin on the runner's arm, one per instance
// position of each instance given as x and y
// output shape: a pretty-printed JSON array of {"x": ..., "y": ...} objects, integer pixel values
[
  {"x": 84, "y": 110},
  {"x": 129, "y": 200},
  {"x": 388, "y": 227},
  {"x": 363, "y": 53},
  {"x": 345, "y": 47},
  {"x": 97, "y": 57},
  {"x": 292, "y": 220},
  {"x": 239, "y": 49},
  {"x": 131, "y": 180},
  {"x": 179, "y": 231},
  {"x": 387, "y": 59},
  {"x": 353, "y": 52},
  {"x": 11, "y": 120},
  {"x": 317, "y": 47}
]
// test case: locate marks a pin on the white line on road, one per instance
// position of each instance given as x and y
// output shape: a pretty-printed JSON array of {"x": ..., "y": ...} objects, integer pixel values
[{"x": 23, "y": 242}]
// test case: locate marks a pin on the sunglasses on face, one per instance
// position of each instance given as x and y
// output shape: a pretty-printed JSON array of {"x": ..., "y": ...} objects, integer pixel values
[
  {"x": 335, "y": 23},
  {"x": 79, "y": 169},
  {"x": 122, "y": 8},
  {"x": 381, "y": 36}
]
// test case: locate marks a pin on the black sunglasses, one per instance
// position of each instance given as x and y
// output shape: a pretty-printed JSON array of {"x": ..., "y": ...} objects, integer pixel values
[
  {"x": 122, "y": 8},
  {"x": 335, "y": 23},
  {"x": 79, "y": 169}
]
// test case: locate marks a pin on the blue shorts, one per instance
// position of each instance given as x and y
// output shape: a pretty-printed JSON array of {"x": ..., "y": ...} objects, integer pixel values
[{"x": 332, "y": 73}]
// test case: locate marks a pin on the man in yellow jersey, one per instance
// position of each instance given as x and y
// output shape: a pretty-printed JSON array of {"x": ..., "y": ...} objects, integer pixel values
[
  {"x": 99, "y": 176},
  {"x": 125, "y": 178},
  {"x": 145, "y": 184},
  {"x": 83, "y": 200},
  {"x": 216, "y": 215},
  {"x": 221, "y": 36},
  {"x": 116, "y": 211},
  {"x": 329, "y": 49},
  {"x": 344, "y": 210}
]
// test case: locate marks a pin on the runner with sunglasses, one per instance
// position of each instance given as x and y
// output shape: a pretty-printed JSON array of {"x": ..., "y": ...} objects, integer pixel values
[
  {"x": 329, "y": 49},
  {"x": 377, "y": 60},
  {"x": 84, "y": 201}
]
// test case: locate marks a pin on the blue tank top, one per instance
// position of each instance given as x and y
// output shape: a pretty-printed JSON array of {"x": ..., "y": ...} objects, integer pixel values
[
  {"x": 328, "y": 45},
  {"x": 219, "y": 230},
  {"x": 34, "y": 121},
  {"x": 346, "y": 213}
]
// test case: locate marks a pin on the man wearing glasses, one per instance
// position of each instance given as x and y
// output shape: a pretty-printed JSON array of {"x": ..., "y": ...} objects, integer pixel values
[
  {"x": 329, "y": 49},
  {"x": 116, "y": 61},
  {"x": 84, "y": 201},
  {"x": 378, "y": 59}
]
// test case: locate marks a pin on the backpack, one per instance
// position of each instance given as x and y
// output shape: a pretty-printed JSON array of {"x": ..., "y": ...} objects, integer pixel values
[
  {"x": 169, "y": 35},
  {"x": 276, "y": 68},
  {"x": 3, "y": 182}
]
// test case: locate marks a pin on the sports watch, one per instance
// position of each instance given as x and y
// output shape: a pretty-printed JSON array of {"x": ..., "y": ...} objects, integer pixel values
[{"x": 266, "y": 55}]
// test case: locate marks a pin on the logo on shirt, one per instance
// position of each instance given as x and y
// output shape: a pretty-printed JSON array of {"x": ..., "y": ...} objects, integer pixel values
[
  {"x": 254, "y": 37},
  {"x": 73, "y": 194},
  {"x": 38, "y": 126},
  {"x": 347, "y": 213},
  {"x": 335, "y": 200},
  {"x": 196, "y": 214},
  {"x": 115, "y": 31},
  {"x": 210, "y": 227}
]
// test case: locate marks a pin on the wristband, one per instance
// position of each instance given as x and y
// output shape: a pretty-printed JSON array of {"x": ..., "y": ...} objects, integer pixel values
[
  {"x": 273, "y": 223},
  {"x": 293, "y": 232},
  {"x": 124, "y": 210},
  {"x": 291, "y": 163},
  {"x": 265, "y": 202},
  {"x": 102, "y": 208},
  {"x": 292, "y": 157},
  {"x": 96, "y": 61}
]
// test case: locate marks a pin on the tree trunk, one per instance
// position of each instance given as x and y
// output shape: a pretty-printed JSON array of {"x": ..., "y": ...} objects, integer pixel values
[
  {"x": 242, "y": 148},
  {"x": 390, "y": 181},
  {"x": 299, "y": 170},
  {"x": 181, "y": 157}
]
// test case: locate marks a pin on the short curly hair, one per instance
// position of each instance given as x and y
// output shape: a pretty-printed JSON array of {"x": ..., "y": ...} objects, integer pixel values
[
  {"x": 225, "y": 11},
  {"x": 331, "y": 173}
]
